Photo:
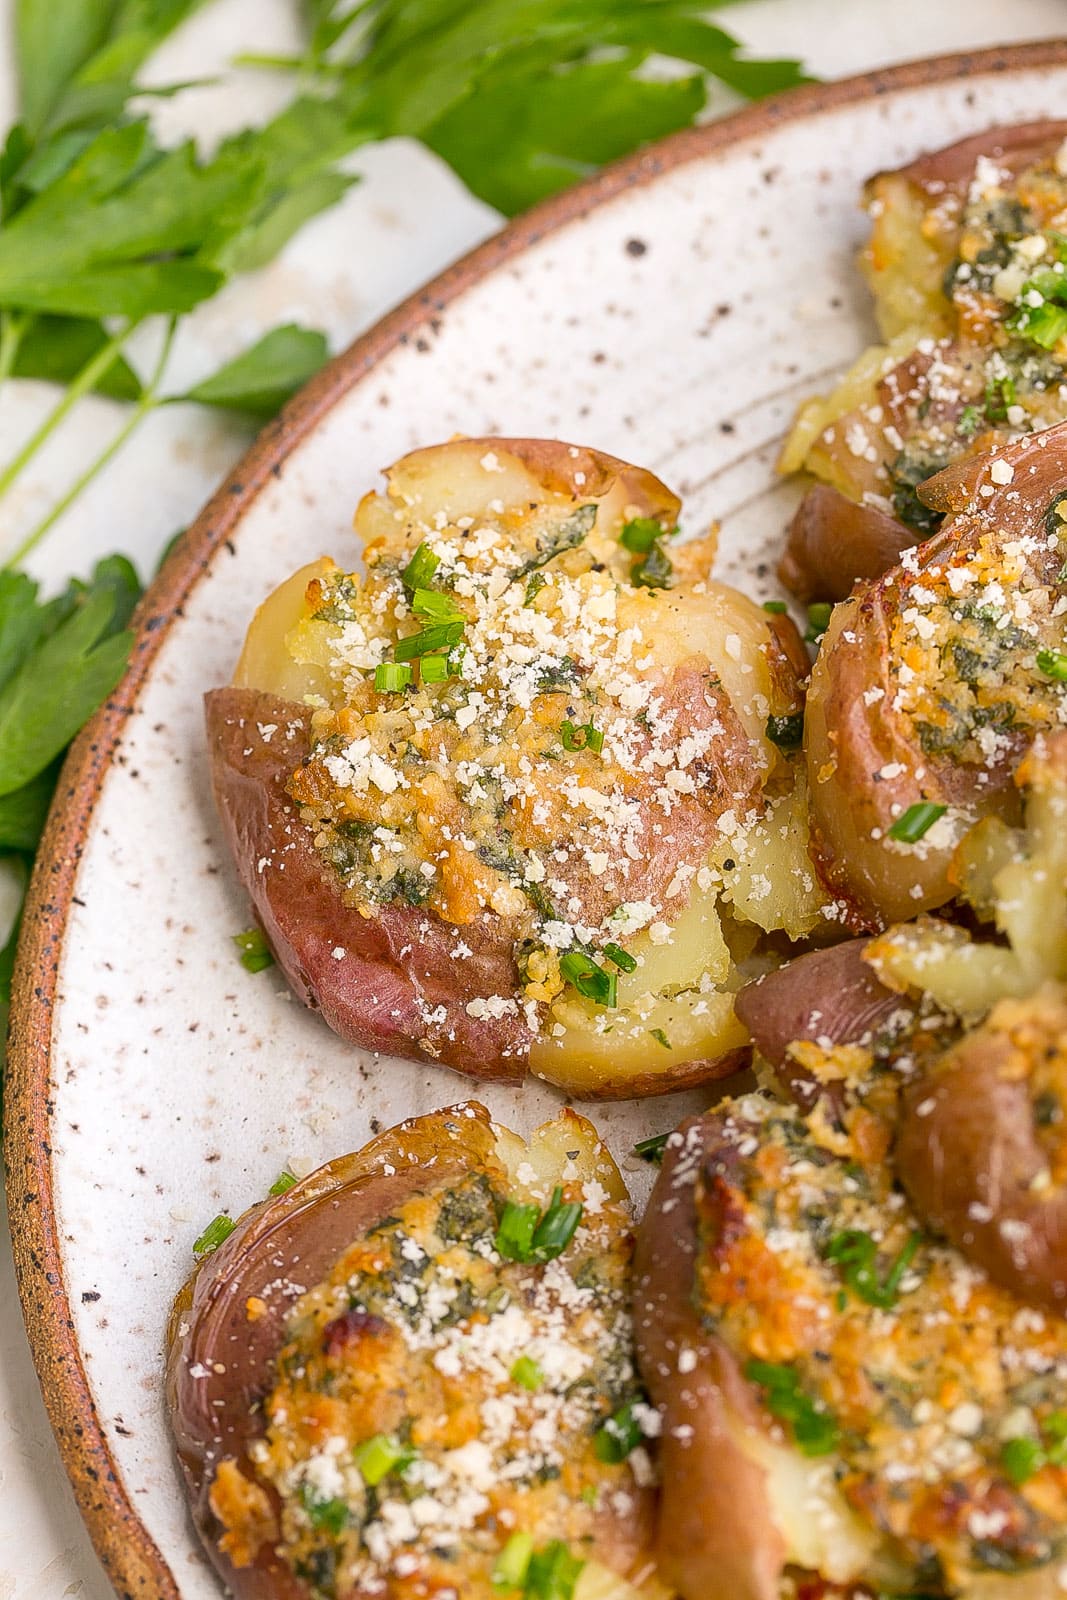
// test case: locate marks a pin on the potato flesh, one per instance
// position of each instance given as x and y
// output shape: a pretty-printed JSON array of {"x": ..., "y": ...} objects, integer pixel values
[{"x": 904, "y": 262}]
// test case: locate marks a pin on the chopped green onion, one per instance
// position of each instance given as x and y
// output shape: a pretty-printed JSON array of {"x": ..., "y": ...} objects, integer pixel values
[
  {"x": 786, "y": 732},
  {"x": 622, "y": 958},
  {"x": 527, "y": 1374},
  {"x": 1021, "y": 1458},
  {"x": 652, "y": 1149},
  {"x": 777, "y": 608},
  {"x": 524, "y": 1235},
  {"x": 435, "y": 607},
  {"x": 513, "y": 1562},
  {"x": 585, "y": 736},
  {"x": 589, "y": 979},
  {"x": 915, "y": 821},
  {"x": 217, "y": 1230},
  {"x": 653, "y": 571},
  {"x": 442, "y": 636},
  {"x": 326, "y": 1516},
  {"x": 999, "y": 395},
  {"x": 552, "y": 1573},
  {"x": 814, "y": 1429},
  {"x": 856, "y": 1252},
  {"x": 378, "y": 1457},
  {"x": 618, "y": 1436},
  {"x": 640, "y": 534},
  {"x": 255, "y": 951},
  {"x": 282, "y": 1183},
  {"x": 1043, "y": 325},
  {"x": 420, "y": 569},
  {"x": 661, "y": 1038},
  {"x": 1053, "y": 663},
  {"x": 392, "y": 676},
  {"x": 969, "y": 422},
  {"x": 435, "y": 669},
  {"x": 819, "y": 614}
]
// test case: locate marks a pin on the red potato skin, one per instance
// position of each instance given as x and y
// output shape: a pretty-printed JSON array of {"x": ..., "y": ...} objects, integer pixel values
[
  {"x": 848, "y": 741},
  {"x": 833, "y": 543},
  {"x": 716, "y": 1537},
  {"x": 398, "y": 968},
  {"x": 951, "y": 169}
]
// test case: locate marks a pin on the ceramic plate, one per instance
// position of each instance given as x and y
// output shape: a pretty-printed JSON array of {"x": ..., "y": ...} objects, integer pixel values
[{"x": 672, "y": 312}]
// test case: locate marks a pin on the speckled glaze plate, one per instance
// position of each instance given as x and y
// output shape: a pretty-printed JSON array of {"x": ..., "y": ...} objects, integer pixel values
[{"x": 672, "y": 312}]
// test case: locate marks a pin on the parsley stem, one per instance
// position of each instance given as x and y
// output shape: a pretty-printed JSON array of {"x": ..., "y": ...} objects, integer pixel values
[
  {"x": 13, "y": 326},
  {"x": 80, "y": 385},
  {"x": 147, "y": 402}
]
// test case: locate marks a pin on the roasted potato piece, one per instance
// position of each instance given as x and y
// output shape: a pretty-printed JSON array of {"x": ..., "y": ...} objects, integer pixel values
[
  {"x": 964, "y": 262},
  {"x": 933, "y": 681},
  {"x": 370, "y": 1397},
  {"x": 838, "y": 1393},
  {"x": 477, "y": 795}
]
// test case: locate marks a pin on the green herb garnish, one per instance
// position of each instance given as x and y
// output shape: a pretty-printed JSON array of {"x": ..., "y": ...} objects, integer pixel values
[
  {"x": 420, "y": 569},
  {"x": 217, "y": 1230},
  {"x": 436, "y": 669},
  {"x": 777, "y": 608},
  {"x": 856, "y": 1253},
  {"x": 1021, "y": 1458},
  {"x": 534, "y": 584},
  {"x": 786, "y": 732},
  {"x": 999, "y": 395},
  {"x": 819, "y": 614},
  {"x": 621, "y": 1433},
  {"x": 433, "y": 606},
  {"x": 640, "y": 534},
  {"x": 282, "y": 1183},
  {"x": 653, "y": 571},
  {"x": 589, "y": 978},
  {"x": 586, "y": 736},
  {"x": 513, "y": 1562},
  {"x": 970, "y": 420},
  {"x": 552, "y": 1573},
  {"x": 652, "y": 1150},
  {"x": 661, "y": 1038},
  {"x": 439, "y": 636},
  {"x": 917, "y": 820},
  {"x": 326, "y": 1516},
  {"x": 255, "y": 951},
  {"x": 380, "y": 1457},
  {"x": 814, "y": 1429},
  {"x": 524, "y": 1234},
  {"x": 1053, "y": 663},
  {"x": 390, "y": 677},
  {"x": 527, "y": 1374},
  {"x": 621, "y": 958}
]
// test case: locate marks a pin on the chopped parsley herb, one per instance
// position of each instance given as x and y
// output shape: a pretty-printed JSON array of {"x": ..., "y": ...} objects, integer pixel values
[
  {"x": 439, "y": 636},
  {"x": 255, "y": 951},
  {"x": 640, "y": 534},
  {"x": 915, "y": 821},
  {"x": 435, "y": 607},
  {"x": 1053, "y": 663},
  {"x": 570, "y": 533},
  {"x": 819, "y": 614},
  {"x": 970, "y": 421},
  {"x": 420, "y": 569},
  {"x": 1021, "y": 1458},
  {"x": 999, "y": 395},
  {"x": 525, "y": 1235},
  {"x": 326, "y": 1516},
  {"x": 1056, "y": 517},
  {"x": 527, "y": 1374},
  {"x": 217, "y": 1230},
  {"x": 534, "y": 584},
  {"x": 619, "y": 1435},
  {"x": 912, "y": 467},
  {"x": 390, "y": 677},
  {"x": 377, "y": 1458},
  {"x": 282, "y": 1183},
  {"x": 652, "y": 1149},
  {"x": 552, "y": 1573},
  {"x": 1040, "y": 313},
  {"x": 786, "y": 732},
  {"x": 814, "y": 1429},
  {"x": 777, "y": 608},
  {"x": 653, "y": 571},
  {"x": 621, "y": 958},
  {"x": 586, "y": 736},
  {"x": 661, "y": 1038},
  {"x": 513, "y": 1562},
  {"x": 589, "y": 978},
  {"x": 856, "y": 1253},
  {"x": 436, "y": 669}
]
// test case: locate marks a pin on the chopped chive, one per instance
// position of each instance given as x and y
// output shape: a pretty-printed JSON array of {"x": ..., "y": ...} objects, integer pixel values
[
  {"x": 814, "y": 1429},
  {"x": 552, "y": 1573},
  {"x": 420, "y": 569},
  {"x": 969, "y": 421},
  {"x": 584, "y": 736},
  {"x": 856, "y": 1253},
  {"x": 282, "y": 1183},
  {"x": 915, "y": 821},
  {"x": 515, "y": 1231},
  {"x": 622, "y": 958},
  {"x": 441, "y": 636},
  {"x": 1043, "y": 325},
  {"x": 524, "y": 1235},
  {"x": 1021, "y": 1458},
  {"x": 999, "y": 395},
  {"x": 378, "y": 1457},
  {"x": 819, "y": 614},
  {"x": 1053, "y": 663},
  {"x": 619, "y": 1435},
  {"x": 786, "y": 732},
  {"x": 589, "y": 979},
  {"x": 527, "y": 1374},
  {"x": 661, "y": 1038},
  {"x": 652, "y": 1149},
  {"x": 777, "y": 608},
  {"x": 392, "y": 676},
  {"x": 640, "y": 534},
  {"x": 435, "y": 669},
  {"x": 255, "y": 951},
  {"x": 435, "y": 607},
  {"x": 217, "y": 1230},
  {"x": 513, "y": 1562}
]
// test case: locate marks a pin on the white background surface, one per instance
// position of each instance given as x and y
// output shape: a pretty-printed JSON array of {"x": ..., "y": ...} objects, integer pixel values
[{"x": 405, "y": 221}]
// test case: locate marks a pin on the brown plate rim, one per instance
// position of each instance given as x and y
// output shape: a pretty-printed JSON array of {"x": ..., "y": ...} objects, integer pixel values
[{"x": 130, "y": 1557}]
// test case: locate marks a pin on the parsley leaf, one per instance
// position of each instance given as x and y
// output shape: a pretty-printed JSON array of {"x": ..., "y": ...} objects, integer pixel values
[
  {"x": 57, "y": 348},
  {"x": 266, "y": 375}
]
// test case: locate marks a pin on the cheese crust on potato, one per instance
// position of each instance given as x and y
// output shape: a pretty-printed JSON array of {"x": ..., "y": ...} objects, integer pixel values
[
  {"x": 411, "y": 1375},
  {"x": 967, "y": 262},
  {"x": 524, "y": 794}
]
